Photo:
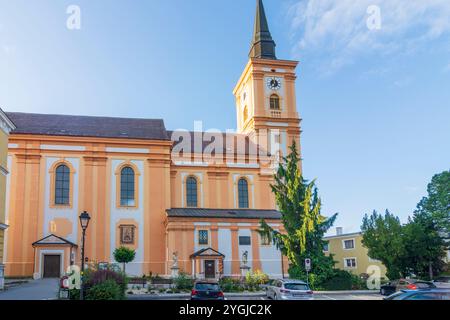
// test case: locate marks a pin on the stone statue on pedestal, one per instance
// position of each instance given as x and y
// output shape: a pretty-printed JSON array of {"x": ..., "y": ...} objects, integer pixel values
[
  {"x": 244, "y": 267},
  {"x": 175, "y": 260},
  {"x": 174, "y": 268},
  {"x": 245, "y": 258}
]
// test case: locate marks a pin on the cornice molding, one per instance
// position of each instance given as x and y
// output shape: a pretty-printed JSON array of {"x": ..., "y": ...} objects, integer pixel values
[
  {"x": 6, "y": 125},
  {"x": 3, "y": 171}
]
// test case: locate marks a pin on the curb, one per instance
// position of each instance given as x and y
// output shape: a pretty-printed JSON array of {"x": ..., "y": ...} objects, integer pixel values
[
  {"x": 248, "y": 294},
  {"x": 13, "y": 284},
  {"x": 187, "y": 295},
  {"x": 348, "y": 292},
  {"x": 241, "y": 294}
]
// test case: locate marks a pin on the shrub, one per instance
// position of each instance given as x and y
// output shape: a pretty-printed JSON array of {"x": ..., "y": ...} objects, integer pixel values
[
  {"x": 343, "y": 280},
  {"x": 315, "y": 279},
  {"x": 253, "y": 280},
  {"x": 74, "y": 294},
  {"x": 108, "y": 290},
  {"x": 260, "y": 277},
  {"x": 230, "y": 285},
  {"x": 183, "y": 282},
  {"x": 95, "y": 278}
]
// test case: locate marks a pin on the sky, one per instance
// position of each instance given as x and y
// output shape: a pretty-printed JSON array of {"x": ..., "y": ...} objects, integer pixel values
[{"x": 373, "y": 85}]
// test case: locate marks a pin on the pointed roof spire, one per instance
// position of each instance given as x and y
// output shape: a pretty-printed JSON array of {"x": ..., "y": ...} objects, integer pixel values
[{"x": 263, "y": 45}]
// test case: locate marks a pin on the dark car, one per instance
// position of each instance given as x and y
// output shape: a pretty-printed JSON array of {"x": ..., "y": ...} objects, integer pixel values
[
  {"x": 405, "y": 284},
  {"x": 423, "y": 294},
  {"x": 204, "y": 290}
]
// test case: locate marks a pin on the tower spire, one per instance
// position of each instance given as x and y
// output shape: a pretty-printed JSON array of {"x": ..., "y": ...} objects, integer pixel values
[{"x": 263, "y": 45}]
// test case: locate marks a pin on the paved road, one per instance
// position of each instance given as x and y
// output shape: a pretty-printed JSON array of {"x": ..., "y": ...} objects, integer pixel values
[
  {"x": 252, "y": 298},
  {"x": 47, "y": 289},
  {"x": 44, "y": 289},
  {"x": 348, "y": 297}
]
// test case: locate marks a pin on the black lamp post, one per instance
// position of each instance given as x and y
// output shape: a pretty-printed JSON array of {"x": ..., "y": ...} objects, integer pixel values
[{"x": 84, "y": 222}]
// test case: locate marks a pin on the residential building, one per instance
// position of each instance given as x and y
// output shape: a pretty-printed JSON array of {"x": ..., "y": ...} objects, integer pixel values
[
  {"x": 5, "y": 128},
  {"x": 350, "y": 254},
  {"x": 187, "y": 201}
]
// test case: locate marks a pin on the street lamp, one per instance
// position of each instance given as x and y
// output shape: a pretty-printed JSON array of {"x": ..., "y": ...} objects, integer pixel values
[{"x": 84, "y": 222}]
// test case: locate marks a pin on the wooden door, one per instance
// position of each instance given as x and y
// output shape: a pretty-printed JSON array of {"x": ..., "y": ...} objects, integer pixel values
[
  {"x": 210, "y": 269},
  {"x": 52, "y": 266}
]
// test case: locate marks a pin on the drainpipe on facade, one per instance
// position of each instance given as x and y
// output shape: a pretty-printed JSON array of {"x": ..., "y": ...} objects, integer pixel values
[
  {"x": 2, "y": 278},
  {"x": 3, "y": 227}
]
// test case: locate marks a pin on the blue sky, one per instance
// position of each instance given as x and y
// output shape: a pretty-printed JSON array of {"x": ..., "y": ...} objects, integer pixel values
[{"x": 375, "y": 103}]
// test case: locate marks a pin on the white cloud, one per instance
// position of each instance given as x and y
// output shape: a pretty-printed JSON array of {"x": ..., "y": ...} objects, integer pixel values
[
  {"x": 8, "y": 49},
  {"x": 339, "y": 29}
]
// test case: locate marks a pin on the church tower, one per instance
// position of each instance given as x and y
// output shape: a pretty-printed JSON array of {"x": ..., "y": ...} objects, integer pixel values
[{"x": 265, "y": 93}]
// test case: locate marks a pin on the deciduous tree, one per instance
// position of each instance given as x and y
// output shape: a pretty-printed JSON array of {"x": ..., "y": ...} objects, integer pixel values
[
  {"x": 436, "y": 204},
  {"x": 124, "y": 255},
  {"x": 382, "y": 236}
]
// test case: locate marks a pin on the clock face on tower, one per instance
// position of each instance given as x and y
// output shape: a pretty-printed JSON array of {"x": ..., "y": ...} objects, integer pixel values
[{"x": 274, "y": 83}]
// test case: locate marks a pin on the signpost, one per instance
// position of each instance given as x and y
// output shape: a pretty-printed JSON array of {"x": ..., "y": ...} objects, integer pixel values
[{"x": 308, "y": 269}]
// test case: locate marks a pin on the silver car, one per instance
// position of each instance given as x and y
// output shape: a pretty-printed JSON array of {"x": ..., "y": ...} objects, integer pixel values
[
  {"x": 289, "y": 290},
  {"x": 442, "y": 282}
]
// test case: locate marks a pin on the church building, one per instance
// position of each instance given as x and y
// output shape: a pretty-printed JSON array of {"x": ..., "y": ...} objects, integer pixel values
[{"x": 190, "y": 201}]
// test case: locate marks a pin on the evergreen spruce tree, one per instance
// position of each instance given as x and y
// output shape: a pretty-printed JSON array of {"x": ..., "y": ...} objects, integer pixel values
[{"x": 299, "y": 203}]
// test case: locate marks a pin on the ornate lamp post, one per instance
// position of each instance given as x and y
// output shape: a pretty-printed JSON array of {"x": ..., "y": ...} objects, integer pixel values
[{"x": 84, "y": 222}]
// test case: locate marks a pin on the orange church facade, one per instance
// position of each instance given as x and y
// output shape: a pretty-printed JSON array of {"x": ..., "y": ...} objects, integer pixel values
[{"x": 190, "y": 201}]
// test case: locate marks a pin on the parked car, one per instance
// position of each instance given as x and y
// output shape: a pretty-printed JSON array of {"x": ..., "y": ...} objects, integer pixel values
[
  {"x": 442, "y": 282},
  {"x": 405, "y": 284},
  {"x": 422, "y": 294},
  {"x": 289, "y": 290},
  {"x": 204, "y": 290}
]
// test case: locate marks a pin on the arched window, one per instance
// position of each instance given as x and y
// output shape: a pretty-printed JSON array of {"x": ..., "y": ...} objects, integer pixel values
[
  {"x": 191, "y": 192},
  {"x": 62, "y": 185},
  {"x": 127, "y": 192},
  {"x": 245, "y": 114},
  {"x": 274, "y": 102},
  {"x": 243, "y": 193}
]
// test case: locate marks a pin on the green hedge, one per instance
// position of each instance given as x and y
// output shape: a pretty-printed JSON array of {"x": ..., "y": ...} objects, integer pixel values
[
  {"x": 336, "y": 280},
  {"x": 102, "y": 285},
  {"x": 108, "y": 290},
  {"x": 231, "y": 285},
  {"x": 343, "y": 280},
  {"x": 183, "y": 282}
]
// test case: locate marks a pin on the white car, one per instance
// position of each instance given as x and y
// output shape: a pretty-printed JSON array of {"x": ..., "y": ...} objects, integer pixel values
[
  {"x": 442, "y": 282},
  {"x": 289, "y": 290}
]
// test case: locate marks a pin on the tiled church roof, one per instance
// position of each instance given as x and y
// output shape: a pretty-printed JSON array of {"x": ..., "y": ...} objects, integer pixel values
[
  {"x": 249, "y": 149},
  {"x": 224, "y": 213},
  {"x": 124, "y": 128},
  {"x": 86, "y": 126}
]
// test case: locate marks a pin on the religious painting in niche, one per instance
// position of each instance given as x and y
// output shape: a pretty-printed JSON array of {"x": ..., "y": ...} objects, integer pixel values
[{"x": 127, "y": 234}]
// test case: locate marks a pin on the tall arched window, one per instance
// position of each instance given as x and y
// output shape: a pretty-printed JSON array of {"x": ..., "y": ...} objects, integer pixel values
[
  {"x": 274, "y": 102},
  {"x": 62, "y": 185},
  {"x": 243, "y": 193},
  {"x": 191, "y": 192},
  {"x": 245, "y": 114},
  {"x": 127, "y": 192}
]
